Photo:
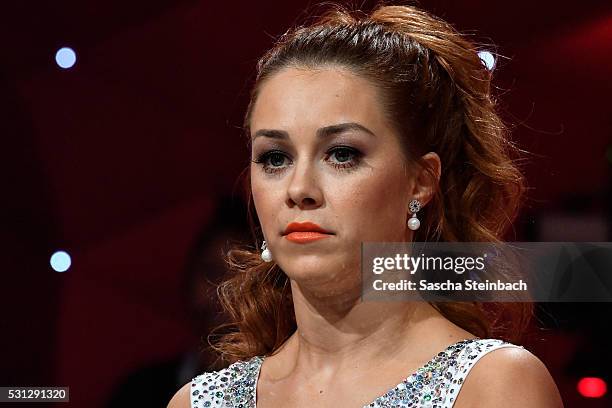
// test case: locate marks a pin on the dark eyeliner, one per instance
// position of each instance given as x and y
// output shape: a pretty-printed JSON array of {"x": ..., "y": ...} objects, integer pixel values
[
  {"x": 348, "y": 165},
  {"x": 355, "y": 159}
]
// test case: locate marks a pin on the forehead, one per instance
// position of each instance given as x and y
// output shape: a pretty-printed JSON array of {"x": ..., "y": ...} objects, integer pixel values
[{"x": 305, "y": 98}]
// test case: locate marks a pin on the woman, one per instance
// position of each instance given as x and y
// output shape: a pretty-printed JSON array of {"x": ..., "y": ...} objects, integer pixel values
[{"x": 356, "y": 124}]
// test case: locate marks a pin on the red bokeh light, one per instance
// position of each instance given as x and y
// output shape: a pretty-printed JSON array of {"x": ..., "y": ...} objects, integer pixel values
[{"x": 592, "y": 387}]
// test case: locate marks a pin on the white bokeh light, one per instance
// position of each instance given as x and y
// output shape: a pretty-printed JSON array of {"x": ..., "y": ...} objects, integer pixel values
[
  {"x": 60, "y": 261},
  {"x": 65, "y": 57},
  {"x": 487, "y": 59}
]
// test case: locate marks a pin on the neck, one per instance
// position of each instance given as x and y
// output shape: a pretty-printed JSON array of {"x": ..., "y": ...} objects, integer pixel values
[{"x": 340, "y": 333}]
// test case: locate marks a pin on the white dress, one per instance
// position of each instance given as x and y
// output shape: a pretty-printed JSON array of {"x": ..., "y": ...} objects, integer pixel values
[{"x": 434, "y": 385}]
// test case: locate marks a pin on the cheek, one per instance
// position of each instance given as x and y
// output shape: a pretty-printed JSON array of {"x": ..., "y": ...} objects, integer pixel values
[
  {"x": 256, "y": 188},
  {"x": 266, "y": 201},
  {"x": 372, "y": 207},
  {"x": 261, "y": 199}
]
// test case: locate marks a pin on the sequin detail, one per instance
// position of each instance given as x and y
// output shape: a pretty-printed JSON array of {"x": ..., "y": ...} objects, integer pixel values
[{"x": 434, "y": 385}]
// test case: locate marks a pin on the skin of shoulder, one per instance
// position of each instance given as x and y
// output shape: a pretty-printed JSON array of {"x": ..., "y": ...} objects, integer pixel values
[
  {"x": 509, "y": 377},
  {"x": 182, "y": 398}
]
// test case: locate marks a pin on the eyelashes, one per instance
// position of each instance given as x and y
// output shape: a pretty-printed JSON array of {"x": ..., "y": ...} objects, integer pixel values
[{"x": 272, "y": 161}]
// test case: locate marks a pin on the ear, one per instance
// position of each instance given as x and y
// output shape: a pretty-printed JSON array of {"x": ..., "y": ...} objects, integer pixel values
[{"x": 427, "y": 177}]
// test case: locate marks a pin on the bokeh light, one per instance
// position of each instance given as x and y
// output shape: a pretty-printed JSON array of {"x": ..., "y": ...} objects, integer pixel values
[
  {"x": 592, "y": 387},
  {"x": 488, "y": 59},
  {"x": 60, "y": 261},
  {"x": 65, "y": 57}
]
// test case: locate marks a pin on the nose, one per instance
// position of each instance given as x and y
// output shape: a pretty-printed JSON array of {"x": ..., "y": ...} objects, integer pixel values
[{"x": 304, "y": 189}]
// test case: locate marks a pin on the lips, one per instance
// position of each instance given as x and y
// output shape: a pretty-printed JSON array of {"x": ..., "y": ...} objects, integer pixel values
[
  {"x": 304, "y": 227},
  {"x": 304, "y": 232}
]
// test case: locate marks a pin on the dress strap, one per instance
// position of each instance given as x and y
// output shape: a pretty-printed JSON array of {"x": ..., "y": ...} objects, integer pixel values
[{"x": 468, "y": 357}]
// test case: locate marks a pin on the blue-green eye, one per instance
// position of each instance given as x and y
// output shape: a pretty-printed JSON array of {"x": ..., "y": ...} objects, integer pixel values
[
  {"x": 271, "y": 161},
  {"x": 344, "y": 158}
]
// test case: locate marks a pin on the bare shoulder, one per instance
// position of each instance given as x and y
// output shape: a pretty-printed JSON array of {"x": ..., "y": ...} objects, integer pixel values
[
  {"x": 514, "y": 377},
  {"x": 181, "y": 398}
]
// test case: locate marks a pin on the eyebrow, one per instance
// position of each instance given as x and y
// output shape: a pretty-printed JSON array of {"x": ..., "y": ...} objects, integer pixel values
[{"x": 321, "y": 132}]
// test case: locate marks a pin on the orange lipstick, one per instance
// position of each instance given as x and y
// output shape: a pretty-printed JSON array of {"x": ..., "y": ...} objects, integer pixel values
[{"x": 304, "y": 232}]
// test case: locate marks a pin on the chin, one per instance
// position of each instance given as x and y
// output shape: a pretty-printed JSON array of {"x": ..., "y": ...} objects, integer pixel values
[
  {"x": 304, "y": 265},
  {"x": 319, "y": 268}
]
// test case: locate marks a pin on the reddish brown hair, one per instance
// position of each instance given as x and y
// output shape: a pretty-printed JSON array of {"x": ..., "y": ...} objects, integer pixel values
[{"x": 435, "y": 85}]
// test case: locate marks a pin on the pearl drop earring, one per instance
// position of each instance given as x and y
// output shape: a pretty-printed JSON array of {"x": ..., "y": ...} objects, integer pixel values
[
  {"x": 266, "y": 255},
  {"x": 413, "y": 222}
]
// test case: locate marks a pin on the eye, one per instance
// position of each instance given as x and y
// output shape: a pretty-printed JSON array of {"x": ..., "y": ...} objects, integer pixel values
[
  {"x": 346, "y": 157},
  {"x": 340, "y": 157},
  {"x": 271, "y": 161}
]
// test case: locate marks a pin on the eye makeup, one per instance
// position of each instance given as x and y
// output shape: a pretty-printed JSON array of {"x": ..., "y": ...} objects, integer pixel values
[{"x": 340, "y": 157}]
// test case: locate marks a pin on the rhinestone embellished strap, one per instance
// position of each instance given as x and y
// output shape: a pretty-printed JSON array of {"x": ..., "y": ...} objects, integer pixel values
[
  {"x": 425, "y": 387},
  {"x": 434, "y": 385},
  {"x": 465, "y": 361},
  {"x": 230, "y": 387}
]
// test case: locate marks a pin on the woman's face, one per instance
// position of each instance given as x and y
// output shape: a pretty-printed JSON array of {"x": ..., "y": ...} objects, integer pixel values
[{"x": 351, "y": 180}]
